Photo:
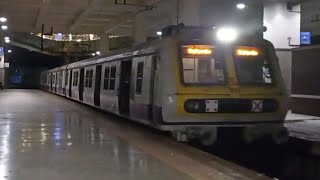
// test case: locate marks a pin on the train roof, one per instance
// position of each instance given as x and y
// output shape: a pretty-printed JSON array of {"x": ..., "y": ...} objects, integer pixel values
[
  {"x": 147, "y": 48},
  {"x": 57, "y": 68}
]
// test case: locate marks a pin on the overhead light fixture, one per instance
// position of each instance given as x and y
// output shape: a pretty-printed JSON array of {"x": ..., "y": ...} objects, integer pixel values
[
  {"x": 7, "y": 40},
  {"x": 241, "y": 6},
  {"x": 159, "y": 33},
  {"x": 98, "y": 52},
  {"x": 4, "y": 27},
  {"x": 91, "y": 37},
  {"x": 3, "y": 19},
  {"x": 78, "y": 40},
  {"x": 227, "y": 34},
  {"x": 93, "y": 54},
  {"x": 9, "y": 51}
]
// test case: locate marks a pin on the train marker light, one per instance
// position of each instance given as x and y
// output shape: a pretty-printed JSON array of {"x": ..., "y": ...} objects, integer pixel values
[
  {"x": 198, "y": 51},
  {"x": 247, "y": 51},
  {"x": 227, "y": 34}
]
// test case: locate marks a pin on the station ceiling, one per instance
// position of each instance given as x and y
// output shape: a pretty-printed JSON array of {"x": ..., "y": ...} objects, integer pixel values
[
  {"x": 104, "y": 16},
  {"x": 81, "y": 16}
]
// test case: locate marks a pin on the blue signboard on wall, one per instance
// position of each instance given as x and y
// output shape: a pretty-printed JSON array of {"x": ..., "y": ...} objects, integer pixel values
[
  {"x": 305, "y": 38},
  {"x": 1, "y": 51}
]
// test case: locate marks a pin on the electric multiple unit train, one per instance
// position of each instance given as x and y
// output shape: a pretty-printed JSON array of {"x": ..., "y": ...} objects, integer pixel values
[{"x": 187, "y": 82}]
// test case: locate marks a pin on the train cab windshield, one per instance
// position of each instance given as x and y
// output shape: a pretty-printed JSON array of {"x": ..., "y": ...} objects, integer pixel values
[
  {"x": 252, "y": 66},
  {"x": 201, "y": 65}
]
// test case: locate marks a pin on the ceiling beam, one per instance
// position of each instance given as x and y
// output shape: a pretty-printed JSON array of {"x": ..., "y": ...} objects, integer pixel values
[
  {"x": 114, "y": 24},
  {"x": 83, "y": 15},
  {"x": 42, "y": 13}
]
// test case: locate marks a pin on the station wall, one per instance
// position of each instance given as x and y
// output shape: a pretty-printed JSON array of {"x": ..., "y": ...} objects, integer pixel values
[{"x": 282, "y": 24}]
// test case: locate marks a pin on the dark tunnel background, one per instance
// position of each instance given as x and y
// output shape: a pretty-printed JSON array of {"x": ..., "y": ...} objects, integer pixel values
[{"x": 26, "y": 66}]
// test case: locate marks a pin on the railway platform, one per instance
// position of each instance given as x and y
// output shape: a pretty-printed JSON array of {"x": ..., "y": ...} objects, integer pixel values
[
  {"x": 44, "y": 136},
  {"x": 303, "y": 127}
]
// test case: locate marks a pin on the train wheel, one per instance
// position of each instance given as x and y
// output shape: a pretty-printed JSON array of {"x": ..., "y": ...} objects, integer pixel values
[{"x": 208, "y": 138}]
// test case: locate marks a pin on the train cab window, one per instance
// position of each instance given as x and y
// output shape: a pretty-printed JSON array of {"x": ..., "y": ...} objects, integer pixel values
[
  {"x": 202, "y": 71},
  {"x": 202, "y": 65},
  {"x": 106, "y": 78},
  {"x": 139, "y": 79},
  {"x": 252, "y": 66},
  {"x": 112, "y": 83}
]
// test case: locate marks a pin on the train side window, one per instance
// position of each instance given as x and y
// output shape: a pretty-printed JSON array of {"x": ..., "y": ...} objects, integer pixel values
[
  {"x": 86, "y": 84},
  {"x": 106, "y": 78},
  {"x": 112, "y": 78},
  {"x": 90, "y": 80},
  {"x": 60, "y": 79},
  {"x": 139, "y": 79},
  {"x": 54, "y": 79},
  {"x": 75, "y": 78},
  {"x": 66, "y": 78}
]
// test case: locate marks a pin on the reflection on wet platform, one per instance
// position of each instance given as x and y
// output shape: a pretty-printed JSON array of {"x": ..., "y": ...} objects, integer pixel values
[{"x": 51, "y": 140}]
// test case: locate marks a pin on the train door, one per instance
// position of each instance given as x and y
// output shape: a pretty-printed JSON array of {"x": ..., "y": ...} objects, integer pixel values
[
  {"x": 81, "y": 85},
  {"x": 124, "y": 87},
  {"x": 70, "y": 83},
  {"x": 55, "y": 82},
  {"x": 97, "y": 86},
  {"x": 153, "y": 73},
  {"x": 65, "y": 81}
]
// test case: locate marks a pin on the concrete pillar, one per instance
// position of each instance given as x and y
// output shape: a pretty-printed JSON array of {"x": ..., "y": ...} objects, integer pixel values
[
  {"x": 253, "y": 20},
  {"x": 2, "y": 61},
  {"x": 188, "y": 12},
  {"x": 104, "y": 44},
  {"x": 139, "y": 28}
]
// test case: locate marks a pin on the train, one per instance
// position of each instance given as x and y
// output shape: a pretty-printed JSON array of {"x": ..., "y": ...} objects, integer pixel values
[{"x": 193, "y": 82}]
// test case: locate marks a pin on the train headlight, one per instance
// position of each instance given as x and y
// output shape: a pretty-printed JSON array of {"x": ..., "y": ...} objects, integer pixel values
[{"x": 227, "y": 34}]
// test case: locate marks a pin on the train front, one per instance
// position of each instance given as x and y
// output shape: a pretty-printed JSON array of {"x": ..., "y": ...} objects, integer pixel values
[{"x": 227, "y": 84}]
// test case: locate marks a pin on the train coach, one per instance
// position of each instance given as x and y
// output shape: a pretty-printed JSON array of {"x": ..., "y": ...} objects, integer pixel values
[{"x": 187, "y": 82}]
